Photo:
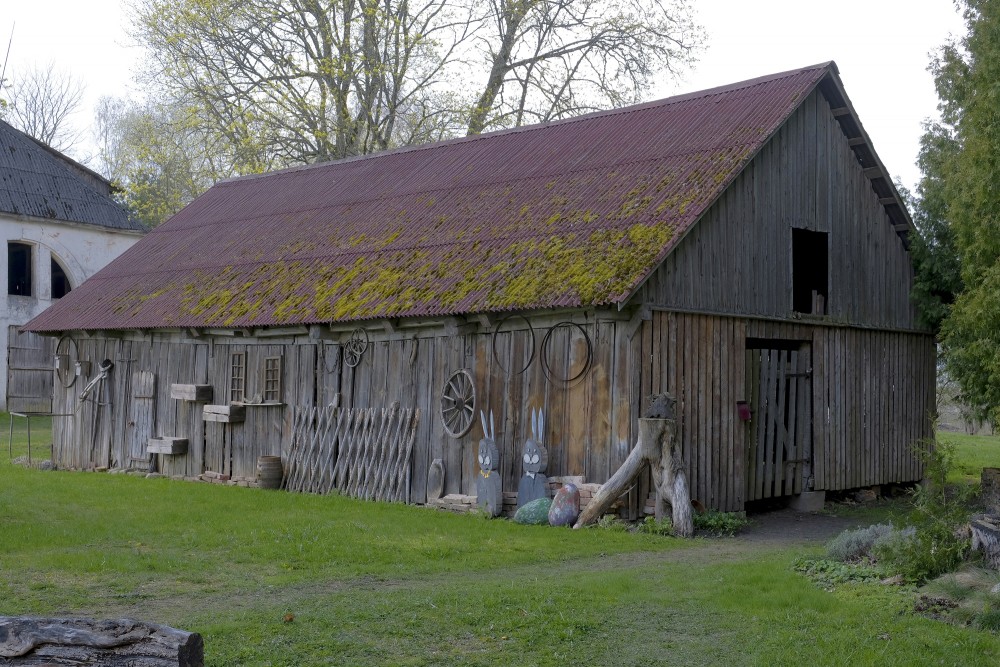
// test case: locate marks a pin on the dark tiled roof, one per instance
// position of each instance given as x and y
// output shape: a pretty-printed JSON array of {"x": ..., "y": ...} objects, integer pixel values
[
  {"x": 577, "y": 212},
  {"x": 36, "y": 183}
]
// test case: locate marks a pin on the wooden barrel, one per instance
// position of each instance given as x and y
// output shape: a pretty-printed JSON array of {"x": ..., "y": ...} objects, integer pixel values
[{"x": 269, "y": 472}]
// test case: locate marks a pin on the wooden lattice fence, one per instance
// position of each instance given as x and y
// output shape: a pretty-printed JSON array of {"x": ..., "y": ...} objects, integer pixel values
[{"x": 364, "y": 453}]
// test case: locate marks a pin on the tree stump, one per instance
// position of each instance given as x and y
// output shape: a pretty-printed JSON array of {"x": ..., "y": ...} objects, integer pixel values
[
  {"x": 79, "y": 641},
  {"x": 657, "y": 447},
  {"x": 986, "y": 538},
  {"x": 991, "y": 490}
]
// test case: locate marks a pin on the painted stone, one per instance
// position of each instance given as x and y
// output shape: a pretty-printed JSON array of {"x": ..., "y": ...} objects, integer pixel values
[
  {"x": 565, "y": 506},
  {"x": 535, "y": 513}
]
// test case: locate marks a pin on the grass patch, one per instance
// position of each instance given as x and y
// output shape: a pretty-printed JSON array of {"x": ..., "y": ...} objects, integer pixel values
[
  {"x": 272, "y": 578},
  {"x": 972, "y": 454},
  {"x": 41, "y": 437}
]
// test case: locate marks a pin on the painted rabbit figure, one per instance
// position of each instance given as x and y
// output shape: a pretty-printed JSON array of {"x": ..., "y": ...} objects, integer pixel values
[
  {"x": 489, "y": 489},
  {"x": 534, "y": 484}
]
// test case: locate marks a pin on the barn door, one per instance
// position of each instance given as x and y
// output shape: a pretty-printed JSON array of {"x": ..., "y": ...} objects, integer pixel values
[
  {"x": 29, "y": 371},
  {"x": 141, "y": 414},
  {"x": 779, "y": 387}
]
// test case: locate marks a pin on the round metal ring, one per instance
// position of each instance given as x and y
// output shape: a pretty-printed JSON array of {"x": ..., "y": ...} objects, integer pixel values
[
  {"x": 531, "y": 333},
  {"x": 75, "y": 355},
  {"x": 547, "y": 369}
]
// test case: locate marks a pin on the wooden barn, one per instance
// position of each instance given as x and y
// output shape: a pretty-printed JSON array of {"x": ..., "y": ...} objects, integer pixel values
[{"x": 742, "y": 248}]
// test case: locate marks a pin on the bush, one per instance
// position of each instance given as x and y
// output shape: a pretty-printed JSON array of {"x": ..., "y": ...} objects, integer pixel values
[
  {"x": 852, "y": 546},
  {"x": 930, "y": 550},
  {"x": 935, "y": 546},
  {"x": 720, "y": 523},
  {"x": 613, "y": 523},
  {"x": 662, "y": 527}
]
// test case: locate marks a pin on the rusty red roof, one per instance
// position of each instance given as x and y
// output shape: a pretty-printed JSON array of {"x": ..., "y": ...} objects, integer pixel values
[{"x": 576, "y": 212}]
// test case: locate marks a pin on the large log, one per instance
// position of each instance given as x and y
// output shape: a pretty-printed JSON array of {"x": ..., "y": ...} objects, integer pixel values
[
  {"x": 986, "y": 538},
  {"x": 114, "y": 643},
  {"x": 657, "y": 446}
]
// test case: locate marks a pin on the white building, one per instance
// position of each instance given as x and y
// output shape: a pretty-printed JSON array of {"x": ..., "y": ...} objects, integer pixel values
[{"x": 60, "y": 226}]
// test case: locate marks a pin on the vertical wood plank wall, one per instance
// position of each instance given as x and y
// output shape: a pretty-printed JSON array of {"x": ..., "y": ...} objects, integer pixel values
[
  {"x": 873, "y": 392},
  {"x": 738, "y": 258},
  {"x": 589, "y": 422}
]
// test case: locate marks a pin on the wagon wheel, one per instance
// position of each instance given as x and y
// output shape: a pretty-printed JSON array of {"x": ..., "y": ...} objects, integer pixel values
[
  {"x": 355, "y": 347},
  {"x": 458, "y": 403}
]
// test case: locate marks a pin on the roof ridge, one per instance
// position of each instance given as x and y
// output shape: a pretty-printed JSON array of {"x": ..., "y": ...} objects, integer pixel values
[{"x": 632, "y": 108}]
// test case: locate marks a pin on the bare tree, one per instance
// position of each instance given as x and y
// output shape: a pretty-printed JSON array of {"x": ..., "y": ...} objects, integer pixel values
[
  {"x": 40, "y": 103},
  {"x": 551, "y": 59},
  {"x": 291, "y": 81},
  {"x": 158, "y": 158}
]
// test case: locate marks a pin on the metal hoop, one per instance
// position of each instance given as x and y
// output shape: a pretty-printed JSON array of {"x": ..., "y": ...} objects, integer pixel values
[
  {"x": 545, "y": 353},
  {"x": 531, "y": 332},
  {"x": 76, "y": 355}
]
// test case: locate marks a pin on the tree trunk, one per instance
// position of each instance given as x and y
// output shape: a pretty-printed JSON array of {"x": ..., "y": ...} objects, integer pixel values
[
  {"x": 658, "y": 448},
  {"x": 120, "y": 642}
]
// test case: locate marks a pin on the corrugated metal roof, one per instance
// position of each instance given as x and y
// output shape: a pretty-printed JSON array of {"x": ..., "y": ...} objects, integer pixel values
[
  {"x": 577, "y": 212},
  {"x": 34, "y": 182}
]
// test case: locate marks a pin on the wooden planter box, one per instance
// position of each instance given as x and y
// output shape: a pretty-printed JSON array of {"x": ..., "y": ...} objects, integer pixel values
[
  {"x": 167, "y": 445},
  {"x": 199, "y": 393},
  {"x": 228, "y": 414}
]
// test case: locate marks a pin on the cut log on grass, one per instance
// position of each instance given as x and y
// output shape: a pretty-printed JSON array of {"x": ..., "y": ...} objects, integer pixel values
[
  {"x": 73, "y": 641},
  {"x": 986, "y": 538},
  {"x": 657, "y": 447}
]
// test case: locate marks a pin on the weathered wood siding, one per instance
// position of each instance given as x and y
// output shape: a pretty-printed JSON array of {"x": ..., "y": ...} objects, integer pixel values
[
  {"x": 738, "y": 258},
  {"x": 589, "y": 422},
  {"x": 872, "y": 394},
  {"x": 29, "y": 382},
  {"x": 872, "y": 399}
]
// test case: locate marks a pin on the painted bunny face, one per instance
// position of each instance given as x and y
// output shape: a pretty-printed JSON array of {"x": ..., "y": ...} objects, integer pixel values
[
  {"x": 488, "y": 455},
  {"x": 535, "y": 457}
]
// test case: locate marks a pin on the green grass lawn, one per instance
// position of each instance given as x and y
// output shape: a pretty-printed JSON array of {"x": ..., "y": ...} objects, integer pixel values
[
  {"x": 972, "y": 454},
  {"x": 382, "y": 584}
]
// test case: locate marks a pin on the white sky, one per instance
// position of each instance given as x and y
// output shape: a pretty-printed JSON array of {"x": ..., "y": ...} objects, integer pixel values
[{"x": 880, "y": 46}]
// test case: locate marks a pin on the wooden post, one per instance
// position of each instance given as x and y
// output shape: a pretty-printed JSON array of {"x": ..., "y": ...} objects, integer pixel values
[
  {"x": 64, "y": 641},
  {"x": 656, "y": 446}
]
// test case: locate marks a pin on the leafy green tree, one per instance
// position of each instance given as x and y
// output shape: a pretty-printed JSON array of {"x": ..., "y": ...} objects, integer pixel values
[
  {"x": 937, "y": 273},
  {"x": 967, "y": 75}
]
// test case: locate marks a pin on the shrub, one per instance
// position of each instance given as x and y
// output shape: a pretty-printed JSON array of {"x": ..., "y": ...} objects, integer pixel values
[
  {"x": 935, "y": 546},
  {"x": 662, "y": 527},
  {"x": 611, "y": 522},
  {"x": 854, "y": 545},
  {"x": 720, "y": 523}
]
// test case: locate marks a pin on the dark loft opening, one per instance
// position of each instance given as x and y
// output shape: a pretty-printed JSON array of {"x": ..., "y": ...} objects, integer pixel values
[
  {"x": 19, "y": 269},
  {"x": 60, "y": 283},
  {"x": 810, "y": 266}
]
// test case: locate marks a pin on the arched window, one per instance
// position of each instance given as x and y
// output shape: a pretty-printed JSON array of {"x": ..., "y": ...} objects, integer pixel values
[
  {"x": 18, "y": 268},
  {"x": 60, "y": 281}
]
